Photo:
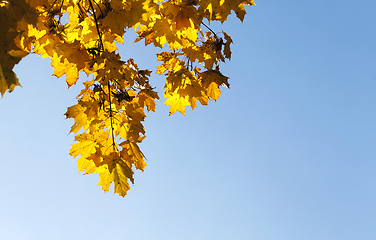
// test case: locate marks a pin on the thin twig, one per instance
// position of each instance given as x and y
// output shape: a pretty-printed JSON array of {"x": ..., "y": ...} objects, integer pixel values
[
  {"x": 215, "y": 35},
  {"x": 96, "y": 24},
  {"x": 60, "y": 15},
  {"x": 111, "y": 116}
]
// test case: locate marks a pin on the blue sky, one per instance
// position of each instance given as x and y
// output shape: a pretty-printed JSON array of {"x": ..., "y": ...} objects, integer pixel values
[{"x": 288, "y": 153}]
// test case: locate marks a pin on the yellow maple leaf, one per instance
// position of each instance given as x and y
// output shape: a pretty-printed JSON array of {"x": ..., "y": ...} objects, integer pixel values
[
  {"x": 176, "y": 102},
  {"x": 69, "y": 59},
  {"x": 85, "y": 146},
  {"x": 211, "y": 80},
  {"x": 233, "y": 5},
  {"x": 147, "y": 97},
  {"x": 105, "y": 178},
  {"x": 114, "y": 21},
  {"x": 78, "y": 113},
  {"x": 211, "y": 6},
  {"x": 8, "y": 80},
  {"x": 164, "y": 33},
  {"x": 195, "y": 92},
  {"x": 213, "y": 91},
  {"x": 136, "y": 12},
  {"x": 121, "y": 180},
  {"x": 85, "y": 165}
]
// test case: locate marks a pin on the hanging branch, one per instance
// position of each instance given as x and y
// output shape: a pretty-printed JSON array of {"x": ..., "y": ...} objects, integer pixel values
[{"x": 108, "y": 83}]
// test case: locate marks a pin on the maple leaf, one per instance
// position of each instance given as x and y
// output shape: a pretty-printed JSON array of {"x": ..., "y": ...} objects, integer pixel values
[
  {"x": 105, "y": 178},
  {"x": 219, "y": 10},
  {"x": 164, "y": 33},
  {"x": 133, "y": 154},
  {"x": 85, "y": 147},
  {"x": 211, "y": 80},
  {"x": 237, "y": 6},
  {"x": 78, "y": 113},
  {"x": 8, "y": 80},
  {"x": 176, "y": 102},
  {"x": 121, "y": 180},
  {"x": 114, "y": 21},
  {"x": 216, "y": 76},
  {"x": 227, "y": 51},
  {"x": 195, "y": 92},
  {"x": 147, "y": 98},
  {"x": 209, "y": 6}
]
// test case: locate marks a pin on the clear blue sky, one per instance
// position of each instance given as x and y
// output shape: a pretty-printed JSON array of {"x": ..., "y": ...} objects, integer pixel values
[{"x": 288, "y": 153}]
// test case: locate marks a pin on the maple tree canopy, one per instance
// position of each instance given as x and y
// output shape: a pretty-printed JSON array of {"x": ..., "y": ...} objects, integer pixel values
[{"x": 111, "y": 107}]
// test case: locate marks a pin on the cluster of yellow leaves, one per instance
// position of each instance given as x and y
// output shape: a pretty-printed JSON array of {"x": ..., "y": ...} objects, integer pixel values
[
  {"x": 111, "y": 107},
  {"x": 108, "y": 110},
  {"x": 184, "y": 88},
  {"x": 15, "y": 17}
]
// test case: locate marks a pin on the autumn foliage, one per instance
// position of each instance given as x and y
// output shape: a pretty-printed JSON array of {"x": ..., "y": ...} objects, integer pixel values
[{"x": 111, "y": 107}]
